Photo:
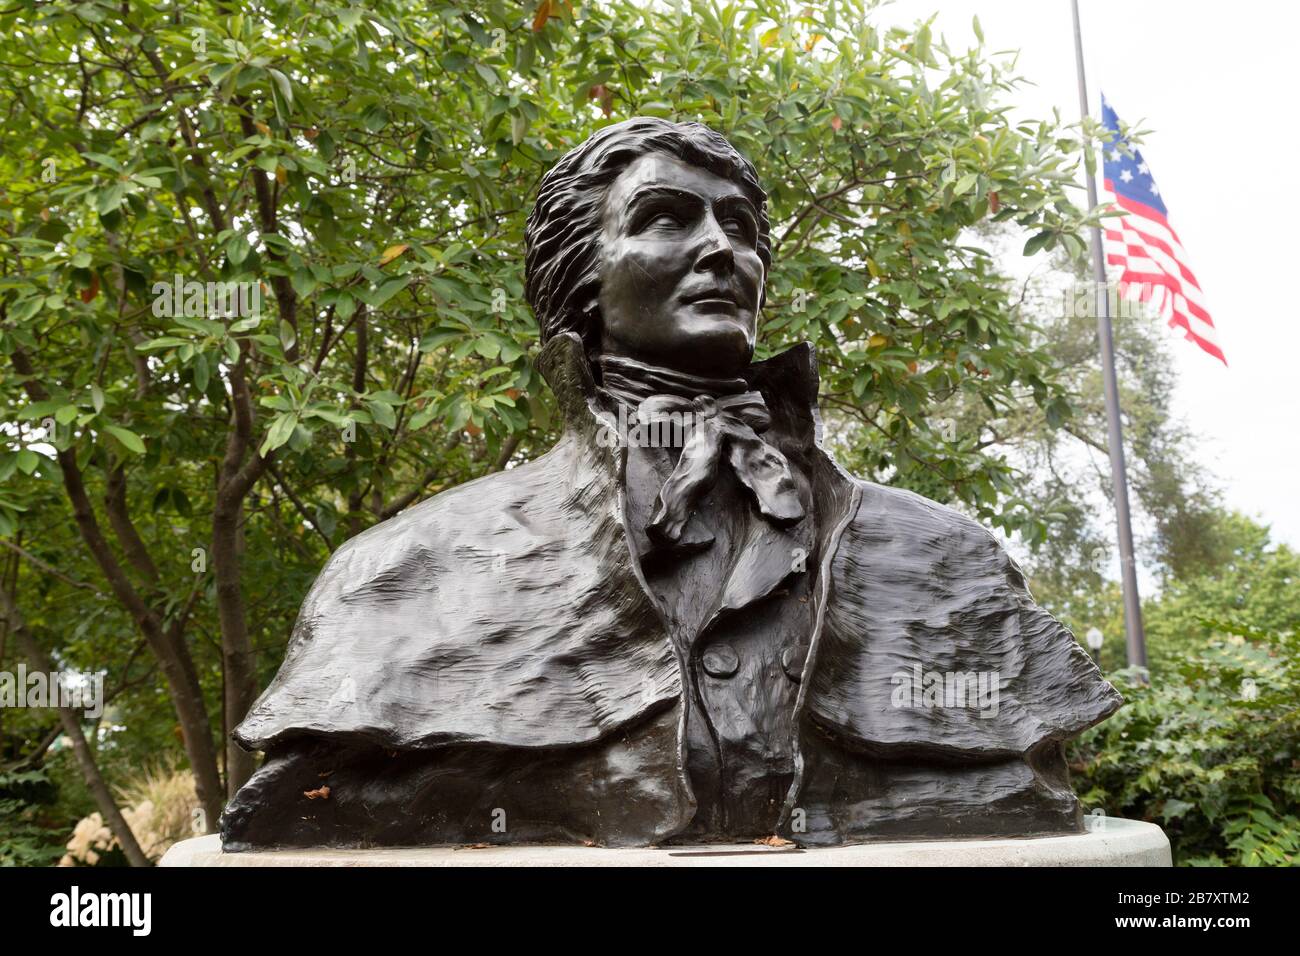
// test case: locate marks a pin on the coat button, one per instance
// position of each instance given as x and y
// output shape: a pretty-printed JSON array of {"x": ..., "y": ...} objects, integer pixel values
[
  {"x": 792, "y": 661},
  {"x": 721, "y": 660}
]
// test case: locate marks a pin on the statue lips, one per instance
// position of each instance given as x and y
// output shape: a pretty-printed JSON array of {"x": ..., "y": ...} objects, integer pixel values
[{"x": 714, "y": 299}]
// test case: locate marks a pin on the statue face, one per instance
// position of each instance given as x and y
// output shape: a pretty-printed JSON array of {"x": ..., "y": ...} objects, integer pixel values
[{"x": 681, "y": 279}]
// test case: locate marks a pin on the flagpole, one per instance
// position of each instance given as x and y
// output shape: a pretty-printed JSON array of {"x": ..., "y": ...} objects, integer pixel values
[{"x": 1135, "y": 639}]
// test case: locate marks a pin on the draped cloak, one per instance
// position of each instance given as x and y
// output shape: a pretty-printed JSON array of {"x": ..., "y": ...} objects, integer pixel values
[{"x": 494, "y": 650}]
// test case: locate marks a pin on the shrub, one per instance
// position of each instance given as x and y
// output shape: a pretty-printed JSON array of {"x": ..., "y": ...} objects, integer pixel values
[
  {"x": 1210, "y": 750},
  {"x": 158, "y": 805}
]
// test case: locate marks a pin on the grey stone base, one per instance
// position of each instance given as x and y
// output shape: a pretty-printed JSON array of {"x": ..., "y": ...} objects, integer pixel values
[{"x": 1109, "y": 842}]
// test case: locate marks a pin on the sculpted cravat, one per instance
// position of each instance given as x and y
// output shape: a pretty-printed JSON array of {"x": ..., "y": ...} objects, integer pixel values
[{"x": 718, "y": 418}]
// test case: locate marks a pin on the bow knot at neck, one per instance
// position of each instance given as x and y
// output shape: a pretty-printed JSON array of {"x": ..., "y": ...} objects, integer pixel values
[{"x": 725, "y": 418}]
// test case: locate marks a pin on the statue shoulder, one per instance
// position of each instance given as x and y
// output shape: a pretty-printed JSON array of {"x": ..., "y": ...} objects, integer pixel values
[
  {"x": 921, "y": 590},
  {"x": 424, "y": 535},
  {"x": 927, "y": 532},
  {"x": 417, "y": 631}
]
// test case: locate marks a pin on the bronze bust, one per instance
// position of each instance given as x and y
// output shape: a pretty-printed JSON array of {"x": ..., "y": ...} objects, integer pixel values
[{"x": 683, "y": 624}]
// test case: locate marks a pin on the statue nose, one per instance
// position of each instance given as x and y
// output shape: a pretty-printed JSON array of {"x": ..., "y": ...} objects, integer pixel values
[{"x": 716, "y": 254}]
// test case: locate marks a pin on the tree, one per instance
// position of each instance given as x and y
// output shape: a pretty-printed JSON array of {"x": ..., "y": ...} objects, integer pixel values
[
  {"x": 1061, "y": 461},
  {"x": 1251, "y": 583}
]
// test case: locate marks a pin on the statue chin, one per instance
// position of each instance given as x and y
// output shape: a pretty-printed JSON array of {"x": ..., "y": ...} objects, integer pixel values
[{"x": 715, "y": 346}]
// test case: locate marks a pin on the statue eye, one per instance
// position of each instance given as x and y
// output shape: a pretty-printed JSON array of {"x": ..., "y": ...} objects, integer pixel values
[
  {"x": 664, "y": 219},
  {"x": 739, "y": 226}
]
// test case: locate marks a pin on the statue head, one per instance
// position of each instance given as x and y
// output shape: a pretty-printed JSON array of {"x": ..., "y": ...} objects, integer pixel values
[{"x": 650, "y": 241}]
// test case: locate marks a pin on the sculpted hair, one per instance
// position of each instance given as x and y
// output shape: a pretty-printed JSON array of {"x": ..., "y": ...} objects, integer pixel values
[{"x": 562, "y": 237}]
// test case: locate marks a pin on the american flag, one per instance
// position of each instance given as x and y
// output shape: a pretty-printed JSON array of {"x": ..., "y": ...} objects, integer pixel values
[{"x": 1145, "y": 246}]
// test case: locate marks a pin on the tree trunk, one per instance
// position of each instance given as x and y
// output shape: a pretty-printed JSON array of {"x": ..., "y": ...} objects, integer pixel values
[
  {"x": 236, "y": 648},
  {"x": 241, "y": 467},
  {"x": 167, "y": 643},
  {"x": 80, "y": 746}
]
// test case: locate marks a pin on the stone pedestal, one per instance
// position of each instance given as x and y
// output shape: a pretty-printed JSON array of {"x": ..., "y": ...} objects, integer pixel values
[{"x": 1109, "y": 842}]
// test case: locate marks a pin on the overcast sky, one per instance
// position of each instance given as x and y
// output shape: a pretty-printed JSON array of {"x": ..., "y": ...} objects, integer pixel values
[{"x": 1216, "y": 86}]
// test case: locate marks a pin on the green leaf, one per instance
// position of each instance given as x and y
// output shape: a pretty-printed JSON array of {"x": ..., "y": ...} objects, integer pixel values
[
  {"x": 281, "y": 429},
  {"x": 422, "y": 417},
  {"x": 304, "y": 283},
  {"x": 459, "y": 415},
  {"x": 388, "y": 290},
  {"x": 435, "y": 338},
  {"x": 285, "y": 87},
  {"x": 383, "y": 414},
  {"x": 201, "y": 372},
  {"x": 24, "y": 309},
  {"x": 922, "y": 48},
  {"x": 129, "y": 439},
  {"x": 102, "y": 160},
  {"x": 237, "y": 249},
  {"x": 1038, "y": 242},
  {"x": 107, "y": 200},
  {"x": 1057, "y": 411}
]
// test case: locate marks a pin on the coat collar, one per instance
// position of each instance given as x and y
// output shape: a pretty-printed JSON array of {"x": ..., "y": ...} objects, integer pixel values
[{"x": 788, "y": 382}]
